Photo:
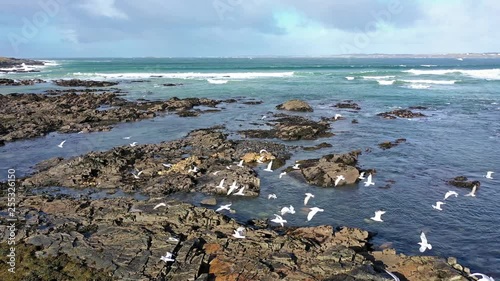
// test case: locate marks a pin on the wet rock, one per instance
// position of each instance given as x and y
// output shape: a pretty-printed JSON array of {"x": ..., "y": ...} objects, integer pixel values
[
  {"x": 83, "y": 83},
  {"x": 172, "y": 84},
  {"x": 209, "y": 201},
  {"x": 318, "y": 146},
  {"x": 295, "y": 105},
  {"x": 253, "y": 102},
  {"x": 11, "y": 82},
  {"x": 418, "y": 107},
  {"x": 348, "y": 104},
  {"x": 462, "y": 181},
  {"x": 401, "y": 113},
  {"x": 387, "y": 144},
  {"x": 354, "y": 121}
]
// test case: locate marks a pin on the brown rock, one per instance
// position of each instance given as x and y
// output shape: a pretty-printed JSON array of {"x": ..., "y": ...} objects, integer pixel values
[{"x": 295, "y": 105}]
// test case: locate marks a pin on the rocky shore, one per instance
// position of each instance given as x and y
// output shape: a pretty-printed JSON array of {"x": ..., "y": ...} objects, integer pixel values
[{"x": 16, "y": 65}]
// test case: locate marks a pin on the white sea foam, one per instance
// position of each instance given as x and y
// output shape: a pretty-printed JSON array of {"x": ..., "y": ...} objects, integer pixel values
[
  {"x": 214, "y": 81},
  {"x": 386, "y": 82},
  {"x": 440, "y": 82},
  {"x": 349, "y": 78},
  {"x": 418, "y": 86},
  {"x": 189, "y": 75},
  {"x": 488, "y": 74},
  {"x": 428, "y": 65},
  {"x": 378, "y": 77}
]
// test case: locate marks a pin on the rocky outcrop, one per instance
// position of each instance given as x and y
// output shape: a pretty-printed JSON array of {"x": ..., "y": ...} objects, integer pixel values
[
  {"x": 348, "y": 104},
  {"x": 401, "y": 113},
  {"x": 388, "y": 145},
  {"x": 323, "y": 172},
  {"x": 463, "y": 181},
  {"x": 291, "y": 128},
  {"x": 32, "y": 115},
  {"x": 83, "y": 83},
  {"x": 27, "y": 82},
  {"x": 295, "y": 105}
]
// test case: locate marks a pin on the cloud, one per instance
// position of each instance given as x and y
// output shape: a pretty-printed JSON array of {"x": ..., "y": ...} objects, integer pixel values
[{"x": 105, "y": 8}]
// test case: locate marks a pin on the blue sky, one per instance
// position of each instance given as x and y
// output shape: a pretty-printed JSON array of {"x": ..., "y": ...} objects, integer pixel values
[{"x": 164, "y": 28}]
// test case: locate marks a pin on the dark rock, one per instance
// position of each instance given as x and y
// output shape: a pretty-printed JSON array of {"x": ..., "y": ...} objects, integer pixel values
[
  {"x": 172, "y": 84},
  {"x": 295, "y": 105},
  {"x": 354, "y": 121},
  {"x": 387, "y": 144},
  {"x": 418, "y": 108},
  {"x": 318, "y": 146},
  {"x": 348, "y": 104},
  {"x": 11, "y": 82},
  {"x": 83, "y": 83},
  {"x": 253, "y": 102},
  {"x": 402, "y": 113},
  {"x": 209, "y": 201},
  {"x": 462, "y": 181}
]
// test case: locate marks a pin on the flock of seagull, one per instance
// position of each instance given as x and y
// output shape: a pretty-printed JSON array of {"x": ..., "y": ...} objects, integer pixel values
[{"x": 239, "y": 233}]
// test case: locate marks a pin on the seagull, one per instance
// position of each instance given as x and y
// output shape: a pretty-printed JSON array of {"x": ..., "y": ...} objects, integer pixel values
[
  {"x": 392, "y": 275},
  {"x": 423, "y": 244},
  {"x": 224, "y": 207},
  {"x": 450, "y": 193},
  {"x": 337, "y": 116},
  {"x": 263, "y": 117},
  {"x": 279, "y": 219},
  {"x": 308, "y": 196},
  {"x": 473, "y": 192},
  {"x": 221, "y": 184},
  {"x": 168, "y": 257},
  {"x": 282, "y": 174},
  {"x": 369, "y": 181},
  {"x": 167, "y": 165},
  {"x": 232, "y": 188},
  {"x": 238, "y": 233},
  {"x": 289, "y": 210},
  {"x": 194, "y": 170},
  {"x": 338, "y": 179},
  {"x": 240, "y": 164},
  {"x": 240, "y": 192},
  {"x": 61, "y": 144},
  {"x": 483, "y": 277},
  {"x": 438, "y": 205},
  {"x": 362, "y": 176},
  {"x": 133, "y": 144},
  {"x": 313, "y": 212},
  {"x": 260, "y": 160},
  {"x": 262, "y": 151},
  {"x": 378, "y": 216},
  {"x": 271, "y": 196},
  {"x": 488, "y": 175},
  {"x": 126, "y": 138},
  {"x": 173, "y": 239},
  {"x": 296, "y": 166},
  {"x": 160, "y": 205},
  {"x": 229, "y": 167},
  {"x": 215, "y": 173},
  {"x": 136, "y": 176},
  {"x": 268, "y": 169}
]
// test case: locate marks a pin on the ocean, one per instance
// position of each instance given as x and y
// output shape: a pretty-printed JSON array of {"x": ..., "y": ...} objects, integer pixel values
[{"x": 459, "y": 136}]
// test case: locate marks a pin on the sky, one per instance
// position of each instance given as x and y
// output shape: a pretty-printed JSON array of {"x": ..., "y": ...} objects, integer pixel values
[{"x": 218, "y": 28}]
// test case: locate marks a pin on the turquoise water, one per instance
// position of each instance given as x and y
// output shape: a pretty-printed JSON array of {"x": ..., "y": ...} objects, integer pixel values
[{"x": 460, "y": 136}]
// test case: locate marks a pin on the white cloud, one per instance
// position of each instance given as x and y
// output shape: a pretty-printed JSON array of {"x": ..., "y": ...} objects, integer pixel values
[{"x": 105, "y": 8}]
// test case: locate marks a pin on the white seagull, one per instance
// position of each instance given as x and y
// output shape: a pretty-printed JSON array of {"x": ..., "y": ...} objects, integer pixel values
[
  {"x": 338, "y": 179},
  {"x": 296, "y": 166},
  {"x": 489, "y": 175},
  {"x": 215, "y": 173},
  {"x": 378, "y": 216},
  {"x": 240, "y": 192},
  {"x": 438, "y": 205},
  {"x": 423, "y": 244},
  {"x": 263, "y": 117},
  {"x": 484, "y": 277},
  {"x": 362, "y": 176},
  {"x": 272, "y": 196},
  {"x": 224, "y": 207},
  {"x": 133, "y": 144},
  {"x": 260, "y": 160},
  {"x": 282, "y": 174},
  {"x": 173, "y": 239},
  {"x": 167, "y": 165},
  {"x": 369, "y": 181},
  {"x": 262, "y": 151},
  {"x": 313, "y": 212},
  {"x": 337, "y": 116},
  {"x": 289, "y": 210},
  {"x": 61, "y": 144},
  {"x": 450, "y": 193},
  {"x": 240, "y": 164},
  {"x": 221, "y": 184},
  {"x": 279, "y": 219},
  {"x": 229, "y": 167},
  {"x": 159, "y": 205},
  {"x": 232, "y": 188},
  {"x": 168, "y": 257},
  {"x": 308, "y": 196},
  {"x": 392, "y": 275},
  {"x": 238, "y": 233},
  {"x": 126, "y": 138},
  {"x": 473, "y": 192},
  {"x": 268, "y": 169},
  {"x": 194, "y": 169},
  {"x": 136, "y": 176}
]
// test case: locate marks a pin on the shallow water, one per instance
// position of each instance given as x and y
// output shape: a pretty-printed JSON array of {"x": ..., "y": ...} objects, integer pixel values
[{"x": 460, "y": 136}]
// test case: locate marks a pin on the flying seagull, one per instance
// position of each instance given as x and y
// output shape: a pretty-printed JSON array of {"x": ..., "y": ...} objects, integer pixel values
[
  {"x": 224, "y": 207},
  {"x": 268, "y": 169},
  {"x": 473, "y": 192},
  {"x": 240, "y": 164},
  {"x": 289, "y": 210},
  {"x": 338, "y": 179},
  {"x": 232, "y": 188},
  {"x": 221, "y": 184},
  {"x": 378, "y": 216},
  {"x": 194, "y": 169},
  {"x": 133, "y": 144},
  {"x": 167, "y": 165},
  {"x": 308, "y": 196},
  {"x": 392, "y": 275},
  {"x": 260, "y": 160},
  {"x": 215, "y": 173},
  {"x": 483, "y": 277},
  {"x": 262, "y": 151},
  {"x": 136, "y": 176},
  {"x": 313, "y": 212},
  {"x": 337, "y": 116},
  {"x": 282, "y": 174},
  {"x": 369, "y": 181},
  {"x": 168, "y": 257},
  {"x": 127, "y": 138},
  {"x": 61, "y": 144},
  {"x": 159, "y": 205},
  {"x": 279, "y": 219},
  {"x": 423, "y": 244},
  {"x": 240, "y": 192},
  {"x": 238, "y": 233},
  {"x": 362, "y": 176},
  {"x": 296, "y": 166},
  {"x": 450, "y": 193},
  {"x": 438, "y": 205},
  {"x": 489, "y": 175},
  {"x": 271, "y": 196}
]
